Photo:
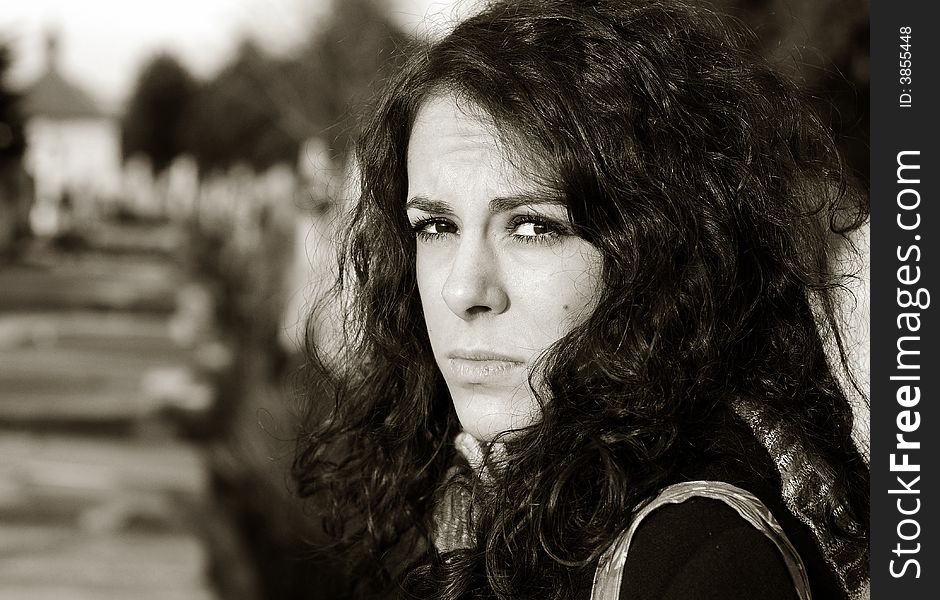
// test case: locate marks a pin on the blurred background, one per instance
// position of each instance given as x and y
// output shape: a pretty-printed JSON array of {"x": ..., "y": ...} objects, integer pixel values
[{"x": 170, "y": 174}]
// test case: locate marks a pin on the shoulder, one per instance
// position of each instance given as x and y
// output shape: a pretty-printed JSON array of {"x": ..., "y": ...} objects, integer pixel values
[
  {"x": 702, "y": 539},
  {"x": 702, "y": 548}
]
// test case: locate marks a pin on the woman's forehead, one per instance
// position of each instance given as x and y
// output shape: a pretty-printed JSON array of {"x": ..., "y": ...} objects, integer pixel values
[
  {"x": 452, "y": 138},
  {"x": 445, "y": 125}
]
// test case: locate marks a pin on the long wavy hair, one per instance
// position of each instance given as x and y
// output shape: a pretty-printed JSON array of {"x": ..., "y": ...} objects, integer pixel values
[{"x": 715, "y": 197}]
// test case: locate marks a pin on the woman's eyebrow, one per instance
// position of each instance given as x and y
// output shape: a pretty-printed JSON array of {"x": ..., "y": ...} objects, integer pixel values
[
  {"x": 496, "y": 205},
  {"x": 428, "y": 205},
  {"x": 509, "y": 203}
]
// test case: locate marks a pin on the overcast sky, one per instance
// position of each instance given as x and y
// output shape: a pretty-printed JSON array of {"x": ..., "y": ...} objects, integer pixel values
[{"x": 104, "y": 42}]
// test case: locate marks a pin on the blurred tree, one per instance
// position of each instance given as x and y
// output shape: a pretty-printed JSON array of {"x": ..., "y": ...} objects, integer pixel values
[
  {"x": 349, "y": 61},
  {"x": 12, "y": 142},
  {"x": 15, "y": 185},
  {"x": 236, "y": 117},
  {"x": 157, "y": 111},
  {"x": 260, "y": 109}
]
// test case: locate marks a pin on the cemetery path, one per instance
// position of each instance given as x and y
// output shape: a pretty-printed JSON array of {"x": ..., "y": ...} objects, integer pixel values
[{"x": 99, "y": 497}]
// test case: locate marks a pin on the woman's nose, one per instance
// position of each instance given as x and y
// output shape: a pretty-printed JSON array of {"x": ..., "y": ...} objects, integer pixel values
[{"x": 474, "y": 284}]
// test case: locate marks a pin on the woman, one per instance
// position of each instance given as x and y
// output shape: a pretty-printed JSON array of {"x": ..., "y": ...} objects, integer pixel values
[{"x": 587, "y": 276}]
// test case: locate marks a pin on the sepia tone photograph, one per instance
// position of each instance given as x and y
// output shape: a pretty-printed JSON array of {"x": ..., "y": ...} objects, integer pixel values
[{"x": 434, "y": 299}]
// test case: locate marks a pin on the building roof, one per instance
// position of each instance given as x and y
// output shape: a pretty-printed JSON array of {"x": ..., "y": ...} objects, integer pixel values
[{"x": 52, "y": 95}]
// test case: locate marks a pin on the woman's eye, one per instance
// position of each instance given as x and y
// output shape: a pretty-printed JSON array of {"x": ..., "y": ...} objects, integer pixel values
[
  {"x": 433, "y": 228},
  {"x": 530, "y": 228},
  {"x": 535, "y": 230}
]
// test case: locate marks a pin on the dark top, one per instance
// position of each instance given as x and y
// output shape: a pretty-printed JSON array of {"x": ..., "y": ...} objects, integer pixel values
[{"x": 702, "y": 549}]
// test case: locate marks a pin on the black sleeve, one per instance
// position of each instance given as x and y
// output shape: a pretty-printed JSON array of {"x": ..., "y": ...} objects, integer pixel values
[{"x": 702, "y": 549}]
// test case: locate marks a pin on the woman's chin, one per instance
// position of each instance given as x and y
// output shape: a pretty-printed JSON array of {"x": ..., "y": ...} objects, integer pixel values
[{"x": 488, "y": 418}]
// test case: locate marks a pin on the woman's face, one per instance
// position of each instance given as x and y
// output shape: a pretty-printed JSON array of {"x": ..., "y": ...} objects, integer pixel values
[{"x": 500, "y": 272}]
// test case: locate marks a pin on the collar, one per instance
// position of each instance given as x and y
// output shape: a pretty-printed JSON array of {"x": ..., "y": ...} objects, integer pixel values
[{"x": 453, "y": 528}]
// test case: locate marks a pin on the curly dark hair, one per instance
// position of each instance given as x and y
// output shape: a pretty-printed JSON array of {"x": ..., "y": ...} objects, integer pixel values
[{"x": 715, "y": 197}]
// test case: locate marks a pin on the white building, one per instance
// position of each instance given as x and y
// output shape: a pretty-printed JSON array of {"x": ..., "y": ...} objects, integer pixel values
[{"x": 73, "y": 146}]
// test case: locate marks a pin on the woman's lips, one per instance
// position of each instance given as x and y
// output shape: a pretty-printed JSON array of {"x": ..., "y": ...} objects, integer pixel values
[{"x": 482, "y": 368}]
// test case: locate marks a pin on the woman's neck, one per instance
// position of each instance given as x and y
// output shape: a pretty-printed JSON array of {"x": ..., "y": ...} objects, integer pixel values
[{"x": 481, "y": 456}]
